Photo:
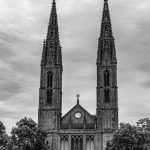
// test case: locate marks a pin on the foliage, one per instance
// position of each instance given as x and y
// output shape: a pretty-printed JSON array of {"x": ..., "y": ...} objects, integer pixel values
[
  {"x": 3, "y": 137},
  {"x": 131, "y": 137},
  {"x": 27, "y": 136}
]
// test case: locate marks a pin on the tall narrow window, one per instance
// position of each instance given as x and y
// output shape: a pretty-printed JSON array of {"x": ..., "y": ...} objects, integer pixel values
[
  {"x": 52, "y": 21},
  {"x": 49, "y": 97},
  {"x": 50, "y": 79},
  {"x": 52, "y": 33},
  {"x": 106, "y": 78},
  {"x": 76, "y": 143},
  {"x": 107, "y": 95},
  {"x": 89, "y": 142},
  {"x": 64, "y": 143}
]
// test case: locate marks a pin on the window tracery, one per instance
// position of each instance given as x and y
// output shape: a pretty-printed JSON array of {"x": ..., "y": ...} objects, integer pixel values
[
  {"x": 90, "y": 142},
  {"x": 64, "y": 143},
  {"x": 77, "y": 142}
]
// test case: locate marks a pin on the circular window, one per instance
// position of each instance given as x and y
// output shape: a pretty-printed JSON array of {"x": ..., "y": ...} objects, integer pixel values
[{"x": 77, "y": 115}]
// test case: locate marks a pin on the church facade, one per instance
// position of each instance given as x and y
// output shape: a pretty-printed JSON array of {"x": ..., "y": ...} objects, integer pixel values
[{"x": 78, "y": 129}]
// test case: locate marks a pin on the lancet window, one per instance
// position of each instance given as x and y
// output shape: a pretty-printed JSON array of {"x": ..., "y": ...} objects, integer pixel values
[
  {"x": 107, "y": 95},
  {"x": 77, "y": 142},
  {"x": 52, "y": 21},
  {"x": 106, "y": 78},
  {"x": 64, "y": 144},
  {"x": 89, "y": 142},
  {"x": 49, "y": 96},
  {"x": 50, "y": 79}
]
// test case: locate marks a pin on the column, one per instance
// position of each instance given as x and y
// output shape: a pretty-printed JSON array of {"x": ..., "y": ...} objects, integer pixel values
[
  {"x": 78, "y": 143},
  {"x": 84, "y": 142},
  {"x": 63, "y": 144},
  {"x": 74, "y": 145},
  {"x": 69, "y": 140}
]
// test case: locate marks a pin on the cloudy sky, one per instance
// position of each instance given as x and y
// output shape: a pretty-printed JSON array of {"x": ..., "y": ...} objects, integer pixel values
[{"x": 23, "y": 27}]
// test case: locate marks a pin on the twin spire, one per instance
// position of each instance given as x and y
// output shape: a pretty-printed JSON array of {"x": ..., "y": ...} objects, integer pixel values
[
  {"x": 53, "y": 22},
  {"x": 52, "y": 48}
]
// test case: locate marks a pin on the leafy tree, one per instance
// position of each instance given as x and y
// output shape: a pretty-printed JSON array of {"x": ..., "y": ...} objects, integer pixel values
[
  {"x": 27, "y": 136},
  {"x": 3, "y": 137},
  {"x": 131, "y": 137}
]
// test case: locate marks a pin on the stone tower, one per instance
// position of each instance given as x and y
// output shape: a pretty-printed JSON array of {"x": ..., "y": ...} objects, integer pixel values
[
  {"x": 50, "y": 95},
  {"x": 107, "y": 96},
  {"x": 78, "y": 129}
]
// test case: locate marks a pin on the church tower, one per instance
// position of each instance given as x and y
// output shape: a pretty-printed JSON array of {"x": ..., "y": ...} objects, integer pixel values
[
  {"x": 50, "y": 94},
  {"x": 107, "y": 96}
]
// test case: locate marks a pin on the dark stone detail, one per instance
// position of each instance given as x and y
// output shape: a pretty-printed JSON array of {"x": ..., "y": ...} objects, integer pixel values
[
  {"x": 106, "y": 78},
  {"x": 49, "y": 97},
  {"x": 64, "y": 137},
  {"x": 77, "y": 126},
  {"x": 77, "y": 142},
  {"x": 107, "y": 95}
]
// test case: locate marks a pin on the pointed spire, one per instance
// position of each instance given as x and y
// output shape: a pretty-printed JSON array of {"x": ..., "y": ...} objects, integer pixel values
[
  {"x": 51, "y": 47},
  {"x": 106, "y": 29},
  {"x": 53, "y": 24},
  {"x": 106, "y": 47}
]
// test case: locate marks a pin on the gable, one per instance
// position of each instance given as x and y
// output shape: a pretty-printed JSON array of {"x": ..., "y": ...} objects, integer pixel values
[{"x": 78, "y": 117}]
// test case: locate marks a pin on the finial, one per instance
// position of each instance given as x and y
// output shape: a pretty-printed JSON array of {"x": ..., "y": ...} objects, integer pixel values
[
  {"x": 78, "y": 96},
  {"x": 53, "y": 1},
  {"x": 105, "y": 0}
]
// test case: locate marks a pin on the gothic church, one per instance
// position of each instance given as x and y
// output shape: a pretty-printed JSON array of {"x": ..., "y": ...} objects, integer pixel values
[{"x": 78, "y": 129}]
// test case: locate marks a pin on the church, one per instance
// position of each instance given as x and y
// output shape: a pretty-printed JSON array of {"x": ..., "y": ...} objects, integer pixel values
[{"x": 78, "y": 129}]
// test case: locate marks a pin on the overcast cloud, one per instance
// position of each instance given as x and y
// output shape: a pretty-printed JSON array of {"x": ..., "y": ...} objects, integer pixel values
[{"x": 23, "y": 27}]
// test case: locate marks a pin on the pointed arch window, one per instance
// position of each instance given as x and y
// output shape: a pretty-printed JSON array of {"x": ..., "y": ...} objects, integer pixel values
[
  {"x": 52, "y": 21},
  {"x": 107, "y": 95},
  {"x": 49, "y": 97},
  {"x": 50, "y": 79},
  {"x": 106, "y": 78}
]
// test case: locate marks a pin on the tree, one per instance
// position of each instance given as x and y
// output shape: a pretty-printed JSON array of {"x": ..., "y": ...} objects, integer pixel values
[
  {"x": 131, "y": 137},
  {"x": 27, "y": 136},
  {"x": 3, "y": 137}
]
